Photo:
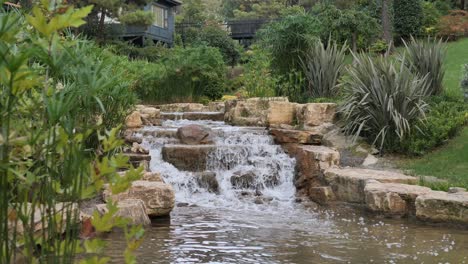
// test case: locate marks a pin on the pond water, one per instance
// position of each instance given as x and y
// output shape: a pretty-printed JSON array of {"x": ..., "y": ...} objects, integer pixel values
[{"x": 233, "y": 226}]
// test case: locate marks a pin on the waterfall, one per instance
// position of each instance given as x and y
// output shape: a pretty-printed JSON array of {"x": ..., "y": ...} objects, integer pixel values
[{"x": 250, "y": 169}]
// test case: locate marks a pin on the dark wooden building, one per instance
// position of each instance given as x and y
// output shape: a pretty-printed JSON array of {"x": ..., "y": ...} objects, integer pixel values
[{"x": 163, "y": 27}]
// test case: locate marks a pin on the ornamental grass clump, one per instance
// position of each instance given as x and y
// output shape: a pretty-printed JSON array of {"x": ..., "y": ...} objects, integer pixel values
[
  {"x": 426, "y": 58},
  {"x": 382, "y": 100},
  {"x": 322, "y": 67}
]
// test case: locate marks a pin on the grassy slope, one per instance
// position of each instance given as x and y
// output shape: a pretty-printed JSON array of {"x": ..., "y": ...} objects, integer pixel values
[
  {"x": 457, "y": 56},
  {"x": 450, "y": 162}
]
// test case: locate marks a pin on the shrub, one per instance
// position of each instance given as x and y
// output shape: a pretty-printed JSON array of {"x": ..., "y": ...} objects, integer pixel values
[
  {"x": 408, "y": 17},
  {"x": 431, "y": 17},
  {"x": 288, "y": 40},
  {"x": 425, "y": 58},
  {"x": 379, "y": 47},
  {"x": 183, "y": 75},
  {"x": 381, "y": 101},
  {"x": 464, "y": 82},
  {"x": 453, "y": 25},
  {"x": 323, "y": 67},
  {"x": 445, "y": 119},
  {"x": 257, "y": 79},
  {"x": 137, "y": 17},
  {"x": 150, "y": 52}
]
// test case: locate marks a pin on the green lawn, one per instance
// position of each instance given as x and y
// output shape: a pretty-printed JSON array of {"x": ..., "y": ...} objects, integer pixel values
[
  {"x": 449, "y": 162},
  {"x": 457, "y": 56}
]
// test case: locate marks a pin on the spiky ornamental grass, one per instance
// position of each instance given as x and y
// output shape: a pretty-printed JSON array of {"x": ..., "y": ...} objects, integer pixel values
[
  {"x": 382, "y": 100},
  {"x": 426, "y": 57},
  {"x": 323, "y": 67}
]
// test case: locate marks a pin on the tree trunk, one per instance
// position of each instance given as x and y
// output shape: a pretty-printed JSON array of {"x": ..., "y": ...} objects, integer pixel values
[
  {"x": 101, "y": 24},
  {"x": 354, "y": 40},
  {"x": 386, "y": 26},
  {"x": 462, "y": 4}
]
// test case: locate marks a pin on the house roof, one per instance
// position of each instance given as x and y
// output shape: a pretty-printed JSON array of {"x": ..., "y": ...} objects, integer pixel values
[{"x": 172, "y": 2}]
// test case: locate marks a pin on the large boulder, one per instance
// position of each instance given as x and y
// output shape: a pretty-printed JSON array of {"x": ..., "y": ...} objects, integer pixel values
[
  {"x": 195, "y": 135},
  {"x": 315, "y": 114},
  {"x": 392, "y": 199},
  {"x": 150, "y": 115},
  {"x": 283, "y": 136},
  {"x": 311, "y": 161},
  {"x": 281, "y": 113},
  {"x": 443, "y": 207},
  {"x": 132, "y": 209},
  {"x": 134, "y": 120},
  {"x": 348, "y": 184},
  {"x": 243, "y": 180},
  {"x": 207, "y": 180},
  {"x": 252, "y": 111},
  {"x": 188, "y": 157},
  {"x": 158, "y": 197}
]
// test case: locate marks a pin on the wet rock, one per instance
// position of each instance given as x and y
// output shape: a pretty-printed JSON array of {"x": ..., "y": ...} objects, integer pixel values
[
  {"x": 443, "y": 207},
  {"x": 315, "y": 114},
  {"x": 282, "y": 136},
  {"x": 137, "y": 148},
  {"x": 138, "y": 159},
  {"x": 214, "y": 116},
  {"x": 243, "y": 180},
  {"x": 195, "y": 135},
  {"x": 132, "y": 209},
  {"x": 134, "y": 120},
  {"x": 311, "y": 161},
  {"x": 159, "y": 198},
  {"x": 152, "y": 177},
  {"x": 188, "y": 157},
  {"x": 182, "y": 107},
  {"x": 392, "y": 199},
  {"x": 348, "y": 184},
  {"x": 182, "y": 204},
  {"x": 208, "y": 181},
  {"x": 321, "y": 195},
  {"x": 281, "y": 113},
  {"x": 262, "y": 200}
]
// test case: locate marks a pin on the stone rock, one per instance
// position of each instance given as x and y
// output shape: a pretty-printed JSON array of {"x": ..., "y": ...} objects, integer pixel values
[
  {"x": 281, "y": 113},
  {"x": 216, "y": 107},
  {"x": 137, "y": 159},
  {"x": 182, "y": 107},
  {"x": 132, "y": 209},
  {"x": 152, "y": 177},
  {"x": 250, "y": 112},
  {"x": 137, "y": 148},
  {"x": 214, "y": 116},
  {"x": 208, "y": 181},
  {"x": 337, "y": 139},
  {"x": 311, "y": 161},
  {"x": 392, "y": 199},
  {"x": 282, "y": 136},
  {"x": 370, "y": 160},
  {"x": 148, "y": 112},
  {"x": 456, "y": 190},
  {"x": 195, "y": 135},
  {"x": 443, "y": 207},
  {"x": 321, "y": 195},
  {"x": 315, "y": 114},
  {"x": 348, "y": 184},
  {"x": 188, "y": 157},
  {"x": 134, "y": 120},
  {"x": 158, "y": 197},
  {"x": 243, "y": 180}
]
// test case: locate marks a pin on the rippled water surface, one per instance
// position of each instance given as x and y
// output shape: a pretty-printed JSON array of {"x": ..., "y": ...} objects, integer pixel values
[{"x": 229, "y": 227}]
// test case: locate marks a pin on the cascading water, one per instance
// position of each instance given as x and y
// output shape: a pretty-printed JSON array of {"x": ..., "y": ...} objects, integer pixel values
[
  {"x": 253, "y": 218},
  {"x": 246, "y": 162}
]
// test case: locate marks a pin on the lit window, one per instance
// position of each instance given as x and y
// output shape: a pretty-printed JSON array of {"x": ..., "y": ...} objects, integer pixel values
[{"x": 160, "y": 16}]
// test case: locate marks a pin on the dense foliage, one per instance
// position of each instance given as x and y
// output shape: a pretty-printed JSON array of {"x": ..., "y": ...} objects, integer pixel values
[
  {"x": 54, "y": 100},
  {"x": 184, "y": 74},
  {"x": 425, "y": 58},
  {"x": 408, "y": 17},
  {"x": 322, "y": 67},
  {"x": 454, "y": 25},
  {"x": 464, "y": 82},
  {"x": 445, "y": 119},
  {"x": 382, "y": 101}
]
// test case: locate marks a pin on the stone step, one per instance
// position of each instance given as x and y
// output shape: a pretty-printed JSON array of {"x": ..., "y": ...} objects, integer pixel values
[
  {"x": 443, "y": 207},
  {"x": 349, "y": 184},
  {"x": 214, "y": 116},
  {"x": 283, "y": 136}
]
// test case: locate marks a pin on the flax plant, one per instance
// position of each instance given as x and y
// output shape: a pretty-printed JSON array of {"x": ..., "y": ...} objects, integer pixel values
[
  {"x": 382, "y": 100},
  {"x": 46, "y": 165}
]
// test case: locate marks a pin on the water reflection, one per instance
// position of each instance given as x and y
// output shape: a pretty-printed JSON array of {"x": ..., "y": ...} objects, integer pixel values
[{"x": 297, "y": 235}]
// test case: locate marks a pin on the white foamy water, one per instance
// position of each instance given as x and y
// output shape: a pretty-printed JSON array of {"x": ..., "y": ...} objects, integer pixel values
[{"x": 240, "y": 151}]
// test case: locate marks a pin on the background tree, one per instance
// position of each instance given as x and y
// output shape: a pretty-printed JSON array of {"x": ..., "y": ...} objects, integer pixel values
[{"x": 408, "y": 18}]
